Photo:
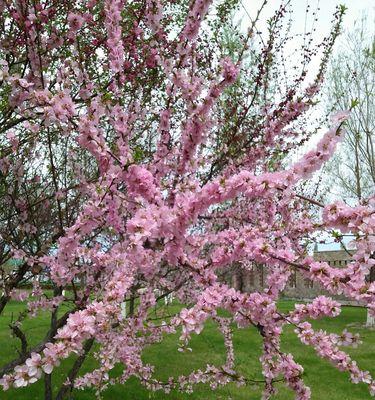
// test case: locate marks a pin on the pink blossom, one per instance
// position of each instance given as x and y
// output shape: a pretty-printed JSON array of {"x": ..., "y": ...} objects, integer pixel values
[
  {"x": 340, "y": 117},
  {"x": 75, "y": 21}
]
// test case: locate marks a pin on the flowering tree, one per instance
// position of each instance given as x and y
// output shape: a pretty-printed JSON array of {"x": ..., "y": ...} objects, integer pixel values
[{"x": 126, "y": 188}]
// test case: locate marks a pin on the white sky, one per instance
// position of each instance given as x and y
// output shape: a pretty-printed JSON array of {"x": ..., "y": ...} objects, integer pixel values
[
  {"x": 301, "y": 21},
  {"x": 327, "y": 8}
]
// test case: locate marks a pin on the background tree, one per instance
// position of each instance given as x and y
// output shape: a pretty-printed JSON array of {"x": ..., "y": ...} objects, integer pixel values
[{"x": 351, "y": 83}]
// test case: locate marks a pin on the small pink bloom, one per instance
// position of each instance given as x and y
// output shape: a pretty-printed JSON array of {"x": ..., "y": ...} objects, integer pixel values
[{"x": 340, "y": 117}]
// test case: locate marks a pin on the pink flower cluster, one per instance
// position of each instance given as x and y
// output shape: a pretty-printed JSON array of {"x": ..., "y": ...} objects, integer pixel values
[
  {"x": 112, "y": 9},
  {"x": 75, "y": 21},
  {"x": 326, "y": 347},
  {"x": 194, "y": 19}
]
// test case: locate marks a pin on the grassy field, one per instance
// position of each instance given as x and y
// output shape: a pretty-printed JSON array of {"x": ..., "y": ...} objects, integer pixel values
[{"x": 325, "y": 381}]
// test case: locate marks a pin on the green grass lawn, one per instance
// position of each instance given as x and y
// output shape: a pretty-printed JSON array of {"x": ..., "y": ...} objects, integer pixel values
[{"x": 325, "y": 381}]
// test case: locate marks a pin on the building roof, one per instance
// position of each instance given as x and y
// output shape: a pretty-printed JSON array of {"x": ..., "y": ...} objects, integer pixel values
[{"x": 333, "y": 255}]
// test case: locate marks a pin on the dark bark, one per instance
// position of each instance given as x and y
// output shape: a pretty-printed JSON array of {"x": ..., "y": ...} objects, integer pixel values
[
  {"x": 36, "y": 349},
  {"x": 21, "y": 336},
  {"x": 65, "y": 389},
  {"x": 47, "y": 387},
  {"x": 12, "y": 283},
  {"x": 131, "y": 306}
]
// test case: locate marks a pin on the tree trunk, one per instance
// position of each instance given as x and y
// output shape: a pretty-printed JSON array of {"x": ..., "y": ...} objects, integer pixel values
[
  {"x": 370, "y": 321},
  {"x": 47, "y": 387},
  {"x": 131, "y": 306},
  {"x": 65, "y": 390}
]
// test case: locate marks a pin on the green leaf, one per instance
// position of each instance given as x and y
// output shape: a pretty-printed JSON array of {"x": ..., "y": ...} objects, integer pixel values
[
  {"x": 138, "y": 154},
  {"x": 354, "y": 103}
]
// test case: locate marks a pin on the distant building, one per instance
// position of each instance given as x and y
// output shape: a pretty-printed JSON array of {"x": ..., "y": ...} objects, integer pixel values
[
  {"x": 299, "y": 287},
  {"x": 335, "y": 258},
  {"x": 254, "y": 279}
]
